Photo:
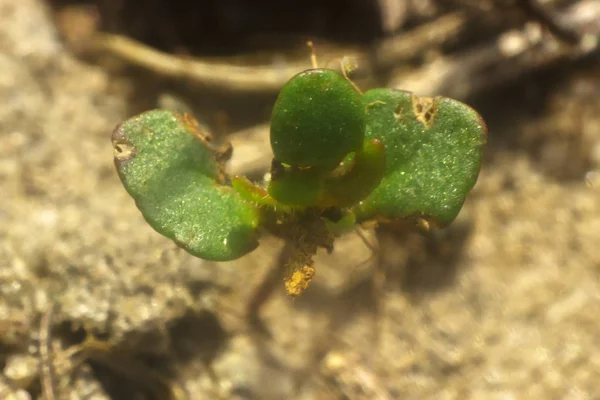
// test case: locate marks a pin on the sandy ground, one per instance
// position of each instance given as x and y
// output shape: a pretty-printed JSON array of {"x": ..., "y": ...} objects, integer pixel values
[{"x": 505, "y": 304}]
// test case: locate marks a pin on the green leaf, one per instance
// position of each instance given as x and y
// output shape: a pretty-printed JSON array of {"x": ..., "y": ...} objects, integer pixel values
[
  {"x": 295, "y": 187},
  {"x": 167, "y": 165},
  {"x": 317, "y": 119},
  {"x": 365, "y": 172},
  {"x": 433, "y": 153}
]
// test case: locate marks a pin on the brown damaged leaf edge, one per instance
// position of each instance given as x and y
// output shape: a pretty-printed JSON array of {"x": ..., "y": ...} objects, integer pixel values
[
  {"x": 222, "y": 153},
  {"x": 123, "y": 149},
  {"x": 193, "y": 126}
]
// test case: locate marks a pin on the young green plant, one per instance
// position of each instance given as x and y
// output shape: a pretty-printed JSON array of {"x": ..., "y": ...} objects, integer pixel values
[{"x": 341, "y": 158}]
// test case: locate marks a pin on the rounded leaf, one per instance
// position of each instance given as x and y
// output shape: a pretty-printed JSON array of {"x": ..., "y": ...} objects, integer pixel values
[
  {"x": 317, "y": 119},
  {"x": 295, "y": 187},
  {"x": 167, "y": 166},
  {"x": 433, "y": 150},
  {"x": 366, "y": 170}
]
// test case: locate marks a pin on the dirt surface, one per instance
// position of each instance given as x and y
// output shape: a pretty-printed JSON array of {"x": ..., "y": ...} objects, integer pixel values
[{"x": 504, "y": 304}]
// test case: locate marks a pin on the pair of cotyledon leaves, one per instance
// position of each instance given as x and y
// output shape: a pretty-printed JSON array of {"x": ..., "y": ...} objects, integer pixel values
[{"x": 431, "y": 150}]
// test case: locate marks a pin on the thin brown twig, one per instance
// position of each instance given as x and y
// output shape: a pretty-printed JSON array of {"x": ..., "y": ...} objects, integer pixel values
[
  {"x": 222, "y": 75},
  {"x": 46, "y": 357}
]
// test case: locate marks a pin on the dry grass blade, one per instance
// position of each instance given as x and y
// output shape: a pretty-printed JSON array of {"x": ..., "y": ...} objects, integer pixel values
[
  {"x": 46, "y": 357},
  {"x": 220, "y": 75}
]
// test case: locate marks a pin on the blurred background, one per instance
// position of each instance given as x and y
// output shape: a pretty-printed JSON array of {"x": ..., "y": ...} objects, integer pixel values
[{"x": 503, "y": 304}]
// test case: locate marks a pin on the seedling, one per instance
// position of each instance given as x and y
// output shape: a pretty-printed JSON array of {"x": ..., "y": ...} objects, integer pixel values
[{"x": 341, "y": 158}]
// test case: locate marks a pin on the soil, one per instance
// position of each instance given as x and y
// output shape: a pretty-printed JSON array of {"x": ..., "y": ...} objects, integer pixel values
[{"x": 504, "y": 304}]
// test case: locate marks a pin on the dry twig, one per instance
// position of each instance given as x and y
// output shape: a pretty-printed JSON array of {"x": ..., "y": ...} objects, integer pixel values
[{"x": 46, "y": 357}]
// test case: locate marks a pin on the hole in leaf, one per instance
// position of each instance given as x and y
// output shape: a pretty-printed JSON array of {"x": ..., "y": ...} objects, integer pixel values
[
  {"x": 401, "y": 115},
  {"x": 123, "y": 150},
  {"x": 424, "y": 109}
]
